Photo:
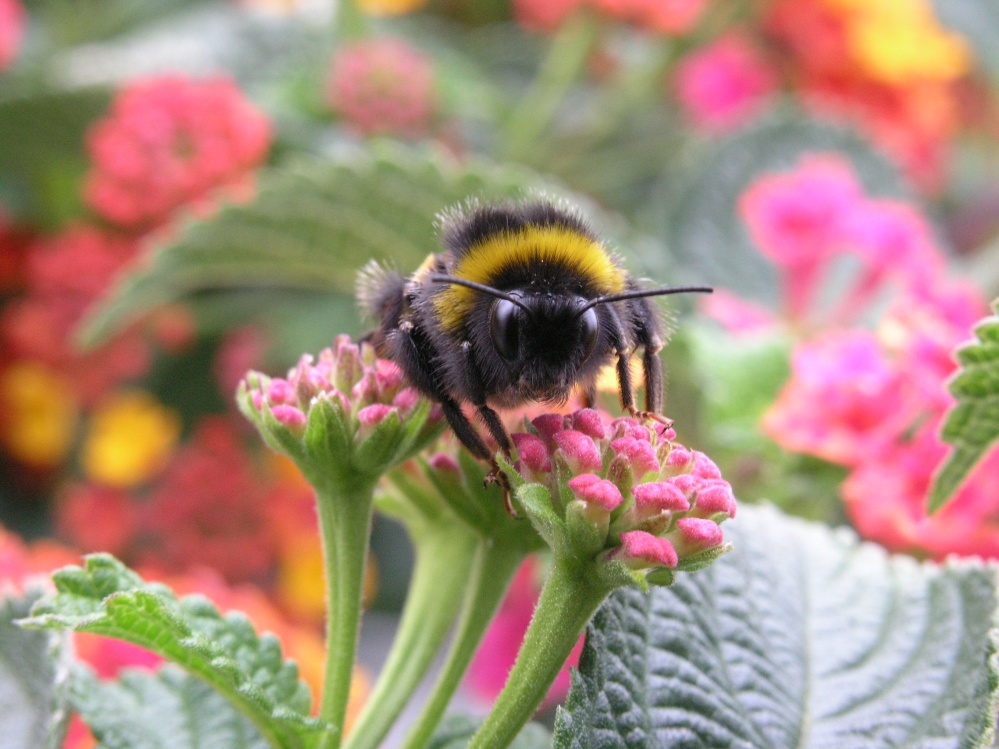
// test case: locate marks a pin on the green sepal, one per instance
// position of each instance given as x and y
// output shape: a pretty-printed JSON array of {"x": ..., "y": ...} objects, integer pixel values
[
  {"x": 702, "y": 559},
  {"x": 536, "y": 502},
  {"x": 106, "y": 598},
  {"x": 586, "y": 539},
  {"x": 376, "y": 452},
  {"x": 328, "y": 438},
  {"x": 661, "y": 578}
]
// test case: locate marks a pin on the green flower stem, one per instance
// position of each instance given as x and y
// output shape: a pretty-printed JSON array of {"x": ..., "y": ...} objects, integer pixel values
[
  {"x": 444, "y": 558},
  {"x": 563, "y": 64},
  {"x": 495, "y": 565},
  {"x": 345, "y": 513},
  {"x": 571, "y": 595}
]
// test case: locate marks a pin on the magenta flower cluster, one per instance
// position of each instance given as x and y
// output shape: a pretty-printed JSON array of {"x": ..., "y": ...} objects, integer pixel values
[
  {"x": 365, "y": 387},
  {"x": 653, "y": 502}
]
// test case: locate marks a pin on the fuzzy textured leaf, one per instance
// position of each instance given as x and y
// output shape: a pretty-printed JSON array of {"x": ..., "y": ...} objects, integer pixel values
[
  {"x": 34, "y": 673},
  {"x": 972, "y": 424},
  {"x": 152, "y": 710},
  {"x": 801, "y": 637},
  {"x": 106, "y": 598},
  {"x": 310, "y": 227}
]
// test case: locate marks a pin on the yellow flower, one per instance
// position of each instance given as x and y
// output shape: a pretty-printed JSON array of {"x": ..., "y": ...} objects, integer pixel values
[
  {"x": 390, "y": 7},
  {"x": 900, "y": 41},
  {"x": 129, "y": 439},
  {"x": 39, "y": 414}
]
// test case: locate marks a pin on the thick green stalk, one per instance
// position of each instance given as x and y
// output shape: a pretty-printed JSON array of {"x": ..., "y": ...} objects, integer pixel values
[
  {"x": 444, "y": 557},
  {"x": 345, "y": 512},
  {"x": 571, "y": 595},
  {"x": 495, "y": 565},
  {"x": 563, "y": 64}
]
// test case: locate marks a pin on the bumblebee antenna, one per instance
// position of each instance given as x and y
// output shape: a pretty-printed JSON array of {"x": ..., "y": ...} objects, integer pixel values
[
  {"x": 441, "y": 278},
  {"x": 639, "y": 293}
]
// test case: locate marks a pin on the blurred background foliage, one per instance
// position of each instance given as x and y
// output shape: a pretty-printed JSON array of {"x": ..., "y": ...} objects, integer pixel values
[{"x": 187, "y": 190}]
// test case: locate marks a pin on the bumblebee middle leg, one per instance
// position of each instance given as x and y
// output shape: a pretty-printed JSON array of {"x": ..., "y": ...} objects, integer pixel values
[{"x": 477, "y": 390}]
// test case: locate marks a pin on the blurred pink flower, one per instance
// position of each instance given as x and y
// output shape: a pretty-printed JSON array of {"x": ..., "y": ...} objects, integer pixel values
[
  {"x": 170, "y": 141},
  {"x": 845, "y": 398},
  {"x": 12, "y": 22},
  {"x": 383, "y": 86},
  {"x": 97, "y": 518},
  {"x": 671, "y": 17},
  {"x": 495, "y": 656},
  {"x": 724, "y": 84},
  {"x": 795, "y": 220}
]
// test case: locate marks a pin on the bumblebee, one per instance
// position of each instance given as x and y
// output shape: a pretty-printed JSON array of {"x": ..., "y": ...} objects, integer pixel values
[{"x": 524, "y": 304}]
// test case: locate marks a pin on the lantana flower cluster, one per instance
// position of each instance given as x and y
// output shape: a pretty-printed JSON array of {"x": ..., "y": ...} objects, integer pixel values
[
  {"x": 383, "y": 86},
  {"x": 889, "y": 68},
  {"x": 625, "y": 491},
  {"x": 171, "y": 141},
  {"x": 869, "y": 399},
  {"x": 365, "y": 396}
]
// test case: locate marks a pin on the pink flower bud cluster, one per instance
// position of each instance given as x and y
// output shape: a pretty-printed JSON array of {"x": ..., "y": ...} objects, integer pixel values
[
  {"x": 368, "y": 389},
  {"x": 383, "y": 86},
  {"x": 658, "y": 501},
  {"x": 170, "y": 141}
]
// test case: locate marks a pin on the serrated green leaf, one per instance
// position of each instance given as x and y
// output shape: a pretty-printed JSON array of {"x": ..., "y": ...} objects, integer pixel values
[
  {"x": 155, "y": 710},
  {"x": 455, "y": 731},
  {"x": 106, "y": 598},
  {"x": 310, "y": 227},
  {"x": 972, "y": 424},
  {"x": 34, "y": 669},
  {"x": 801, "y": 637}
]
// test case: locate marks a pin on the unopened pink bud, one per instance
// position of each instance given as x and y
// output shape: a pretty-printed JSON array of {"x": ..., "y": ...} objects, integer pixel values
[
  {"x": 548, "y": 425},
  {"x": 257, "y": 398},
  {"x": 588, "y": 422},
  {"x": 579, "y": 450},
  {"x": 405, "y": 400},
  {"x": 388, "y": 375},
  {"x": 679, "y": 460},
  {"x": 532, "y": 452},
  {"x": 280, "y": 391},
  {"x": 696, "y": 534},
  {"x": 660, "y": 496},
  {"x": 289, "y": 416},
  {"x": 626, "y": 427},
  {"x": 688, "y": 483},
  {"x": 640, "y": 549},
  {"x": 640, "y": 454},
  {"x": 373, "y": 415},
  {"x": 705, "y": 467},
  {"x": 444, "y": 462},
  {"x": 594, "y": 490},
  {"x": 715, "y": 496}
]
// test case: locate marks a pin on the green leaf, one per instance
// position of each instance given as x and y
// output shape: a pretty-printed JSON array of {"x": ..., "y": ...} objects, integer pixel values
[
  {"x": 972, "y": 424},
  {"x": 152, "y": 710},
  {"x": 34, "y": 670},
  {"x": 107, "y": 598},
  {"x": 801, "y": 637},
  {"x": 701, "y": 221},
  {"x": 455, "y": 731},
  {"x": 310, "y": 227}
]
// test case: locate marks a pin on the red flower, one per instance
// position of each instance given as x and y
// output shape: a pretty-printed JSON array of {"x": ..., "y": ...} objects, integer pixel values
[{"x": 169, "y": 142}]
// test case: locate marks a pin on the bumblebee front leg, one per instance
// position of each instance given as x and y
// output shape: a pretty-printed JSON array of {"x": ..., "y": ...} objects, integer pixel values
[
  {"x": 620, "y": 343},
  {"x": 649, "y": 335},
  {"x": 477, "y": 390}
]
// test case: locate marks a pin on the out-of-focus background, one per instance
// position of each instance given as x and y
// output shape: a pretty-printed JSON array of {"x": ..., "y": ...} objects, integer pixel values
[{"x": 830, "y": 166}]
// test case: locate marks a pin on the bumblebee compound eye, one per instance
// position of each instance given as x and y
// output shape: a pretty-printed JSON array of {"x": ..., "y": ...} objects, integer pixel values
[
  {"x": 504, "y": 327},
  {"x": 588, "y": 327}
]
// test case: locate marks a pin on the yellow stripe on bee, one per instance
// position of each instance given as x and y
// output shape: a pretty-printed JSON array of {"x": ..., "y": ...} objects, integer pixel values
[{"x": 484, "y": 262}]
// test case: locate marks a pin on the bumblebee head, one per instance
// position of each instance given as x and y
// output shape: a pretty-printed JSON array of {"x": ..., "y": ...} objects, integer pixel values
[{"x": 548, "y": 336}]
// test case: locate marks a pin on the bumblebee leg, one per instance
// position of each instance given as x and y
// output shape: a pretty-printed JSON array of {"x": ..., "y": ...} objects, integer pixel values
[
  {"x": 650, "y": 335},
  {"x": 478, "y": 392},
  {"x": 464, "y": 430},
  {"x": 588, "y": 395},
  {"x": 653, "y": 367},
  {"x": 619, "y": 341}
]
